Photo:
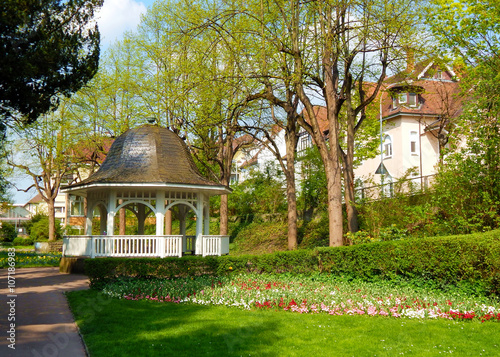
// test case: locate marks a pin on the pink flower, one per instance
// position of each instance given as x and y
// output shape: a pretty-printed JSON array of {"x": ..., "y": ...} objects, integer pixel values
[{"x": 372, "y": 310}]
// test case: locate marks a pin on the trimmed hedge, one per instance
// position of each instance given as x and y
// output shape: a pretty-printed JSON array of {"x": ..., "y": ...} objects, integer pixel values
[
  {"x": 447, "y": 260},
  {"x": 22, "y": 241}
]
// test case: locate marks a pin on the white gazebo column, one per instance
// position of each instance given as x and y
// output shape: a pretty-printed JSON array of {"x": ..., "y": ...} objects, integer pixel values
[
  {"x": 199, "y": 224},
  {"x": 111, "y": 213},
  {"x": 160, "y": 222},
  {"x": 160, "y": 213}
]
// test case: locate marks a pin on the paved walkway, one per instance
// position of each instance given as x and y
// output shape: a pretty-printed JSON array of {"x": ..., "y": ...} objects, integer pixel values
[{"x": 44, "y": 325}]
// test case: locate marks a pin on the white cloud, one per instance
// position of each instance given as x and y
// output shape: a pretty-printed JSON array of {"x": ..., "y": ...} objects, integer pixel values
[{"x": 117, "y": 16}]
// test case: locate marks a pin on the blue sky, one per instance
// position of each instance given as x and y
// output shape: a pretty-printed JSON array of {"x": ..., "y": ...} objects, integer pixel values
[
  {"x": 118, "y": 16},
  {"x": 114, "y": 18}
]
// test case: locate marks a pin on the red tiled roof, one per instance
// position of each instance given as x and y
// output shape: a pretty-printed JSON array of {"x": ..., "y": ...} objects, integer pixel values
[
  {"x": 321, "y": 116},
  {"x": 437, "y": 98}
]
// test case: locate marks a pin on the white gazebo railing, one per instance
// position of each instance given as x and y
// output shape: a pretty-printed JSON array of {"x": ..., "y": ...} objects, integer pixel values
[
  {"x": 142, "y": 246},
  {"x": 215, "y": 245}
]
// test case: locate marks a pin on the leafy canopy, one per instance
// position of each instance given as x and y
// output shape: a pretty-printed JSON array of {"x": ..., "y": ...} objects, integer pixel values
[{"x": 47, "y": 48}]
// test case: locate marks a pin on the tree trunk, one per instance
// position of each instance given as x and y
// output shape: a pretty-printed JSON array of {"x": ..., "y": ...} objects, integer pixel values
[
  {"x": 223, "y": 211},
  {"x": 52, "y": 219},
  {"x": 334, "y": 205},
  {"x": 168, "y": 222},
  {"x": 123, "y": 220},
  {"x": 291, "y": 198}
]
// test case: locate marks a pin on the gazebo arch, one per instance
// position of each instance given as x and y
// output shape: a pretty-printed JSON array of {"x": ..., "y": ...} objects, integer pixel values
[{"x": 149, "y": 166}]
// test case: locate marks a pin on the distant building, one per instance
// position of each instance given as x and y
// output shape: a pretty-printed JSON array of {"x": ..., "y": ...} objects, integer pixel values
[
  {"x": 16, "y": 215},
  {"x": 416, "y": 109}
]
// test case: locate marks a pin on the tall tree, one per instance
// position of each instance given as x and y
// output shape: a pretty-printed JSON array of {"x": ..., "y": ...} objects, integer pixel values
[
  {"x": 334, "y": 45},
  {"x": 41, "y": 152},
  {"x": 47, "y": 49},
  {"x": 470, "y": 30}
]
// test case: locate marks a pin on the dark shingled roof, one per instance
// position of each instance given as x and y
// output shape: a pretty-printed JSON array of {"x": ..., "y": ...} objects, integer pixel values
[{"x": 148, "y": 154}]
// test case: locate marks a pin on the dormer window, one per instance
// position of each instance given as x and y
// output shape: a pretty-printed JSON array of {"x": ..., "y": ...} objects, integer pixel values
[
  {"x": 412, "y": 99},
  {"x": 402, "y": 98},
  {"x": 439, "y": 74},
  {"x": 394, "y": 102}
]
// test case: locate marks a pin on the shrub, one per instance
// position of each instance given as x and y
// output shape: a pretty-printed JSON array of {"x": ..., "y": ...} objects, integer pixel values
[
  {"x": 40, "y": 230},
  {"x": 8, "y": 232},
  {"x": 447, "y": 261},
  {"x": 23, "y": 241},
  {"x": 29, "y": 224}
]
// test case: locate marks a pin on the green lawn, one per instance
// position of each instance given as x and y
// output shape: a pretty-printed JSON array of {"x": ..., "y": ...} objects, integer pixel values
[{"x": 113, "y": 327}]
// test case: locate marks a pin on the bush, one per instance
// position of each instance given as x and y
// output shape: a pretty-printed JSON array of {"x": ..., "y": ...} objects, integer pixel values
[
  {"x": 447, "y": 261},
  {"x": 29, "y": 224},
  {"x": 261, "y": 193},
  {"x": 40, "y": 230},
  {"x": 8, "y": 232},
  {"x": 23, "y": 241}
]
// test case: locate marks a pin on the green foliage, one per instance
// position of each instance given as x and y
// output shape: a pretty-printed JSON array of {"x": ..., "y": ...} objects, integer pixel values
[
  {"x": 392, "y": 233},
  {"x": 468, "y": 184},
  {"x": 19, "y": 241},
  {"x": 359, "y": 237},
  {"x": 471, "y": 260},
  {"x": 313, "y": 188},
  {"x": 36, "y": 218},
  {"x": 8, "y": 232},
  {"x": 446, "y": 261},
  {"x": 48, "y": 49},
  {"x": 261, "y": 193},
  {"x": 40, "y": 230},
  {"x": 314, "y": 233},
  {"x": 261, "y": 237}
]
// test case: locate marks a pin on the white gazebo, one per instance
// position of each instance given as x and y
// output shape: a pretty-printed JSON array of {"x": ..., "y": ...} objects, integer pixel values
[{"x": 148, "y": 170}]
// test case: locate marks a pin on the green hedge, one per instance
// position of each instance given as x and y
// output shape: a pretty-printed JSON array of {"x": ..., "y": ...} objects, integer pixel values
[
  {"x": 19, "y": 241},
  {"x": 446, "y": 260}
]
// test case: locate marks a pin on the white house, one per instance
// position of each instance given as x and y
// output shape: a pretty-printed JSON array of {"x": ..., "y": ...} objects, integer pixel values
[{"x": 415, "y": 110}]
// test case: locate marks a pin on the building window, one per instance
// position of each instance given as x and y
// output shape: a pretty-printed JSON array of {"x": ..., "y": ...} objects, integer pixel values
[
  {"x": 439, "y": 74},
  {"x": 387, "y": 147},
  {"x": 414, "y": 143},
  {"x": 76, "y": 208},
  {"x": 402, "y": 98},
  {"x": 59, "y": 209},
  {"x": 412, "y": 99},
  {"x": 394, "y": 102},
  {"x": 304, "y": 141}
]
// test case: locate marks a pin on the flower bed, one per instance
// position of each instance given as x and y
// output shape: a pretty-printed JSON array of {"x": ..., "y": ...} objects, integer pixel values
[
  {"x": 309, "y": 295},
  {"x": 26, "y": 259}
]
